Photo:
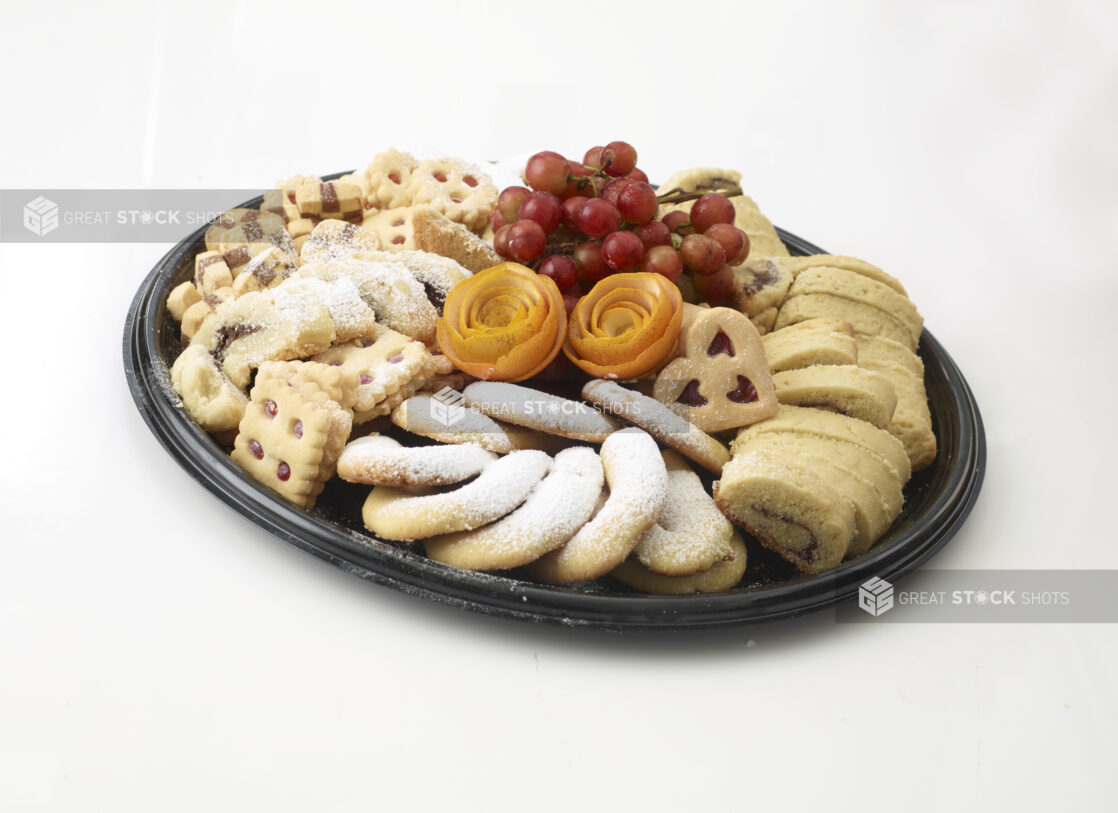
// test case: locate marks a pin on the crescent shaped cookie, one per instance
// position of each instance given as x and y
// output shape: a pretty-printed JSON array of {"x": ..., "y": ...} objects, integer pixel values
[
  {"x": 561, "y": 504},
  {"x": 721, "y": 576},
  {"x": 382, "y": 461},
  {"x": 638, "y": 485},
  {"x": 404, "y": 516}
]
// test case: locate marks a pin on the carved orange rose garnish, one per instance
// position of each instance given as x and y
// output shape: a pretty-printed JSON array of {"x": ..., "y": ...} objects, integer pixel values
[
  {"x": 505, "y": 324},
  {"x": 627, "y": 326}
]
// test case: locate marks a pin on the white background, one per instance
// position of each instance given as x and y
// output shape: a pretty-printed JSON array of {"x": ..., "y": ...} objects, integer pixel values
[{"x": 157, "y": 652}]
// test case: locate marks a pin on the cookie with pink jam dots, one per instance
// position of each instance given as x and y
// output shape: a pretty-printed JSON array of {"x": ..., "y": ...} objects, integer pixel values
[
  {"x": 290, "y": 438},
  {"x": 723, "y": 575},
  {"x": 557, "y": 508},
  {"x": 180, "y": 299},
  {"x": 399, "y": 300},
  {"x": 389, "y": 175},
  {"x": 405, "y": 515},
  {"x": 207, "y": 394},
  {"x": 662, "y": 423},
  {"x": 338, "y": 383},
  {"x": 540, "y": 411},
  {"x": 379, "y": 460},
  {"x": 334, "y": 239},
  {"x": 721, "y": 380},
  {"x": 691, "y": 535},
  {"x": 389, "y": 369},
  {"x": 394, "y": 227},
  {"x": 266, "y": 270},
  {"x": 211, "y": 272},
  {"x": 461, "y": 191},
  {"x": 638, "y": 488},
  {"x": 272, "y": 325},
  {"x": 241, "y": 234},
  {"x": 332, "y": 200}
]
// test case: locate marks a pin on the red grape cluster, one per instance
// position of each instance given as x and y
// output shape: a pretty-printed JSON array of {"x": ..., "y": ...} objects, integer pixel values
[{"x": 581, "y": 222}]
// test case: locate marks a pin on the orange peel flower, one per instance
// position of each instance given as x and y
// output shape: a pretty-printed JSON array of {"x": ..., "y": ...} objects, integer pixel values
[
  {"x": 627, "y": 326},
  {"x": 506, "y": 323}
]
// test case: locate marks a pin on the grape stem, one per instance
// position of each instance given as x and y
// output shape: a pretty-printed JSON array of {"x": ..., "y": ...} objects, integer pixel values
[{"x": 721, "y": 187}]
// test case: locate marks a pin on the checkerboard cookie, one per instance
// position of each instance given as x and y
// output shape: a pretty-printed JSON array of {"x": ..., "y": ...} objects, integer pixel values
[{"x": 241, "y": 234}]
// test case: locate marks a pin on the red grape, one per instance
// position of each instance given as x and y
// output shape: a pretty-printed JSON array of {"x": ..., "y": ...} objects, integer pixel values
[
  {"x": 637, "y": 202},
  {"x": 686, "y": 287},
  {"x": 717, "y": 286},
  {"x": 568, "y": 212},
  {"x": 732, "y": 239},
  {"x": 653, "y": 233},
  {"x": 622, "y": 251},
  {"x": 598, "y": 217},
  {"x": 619, "y": 158},
  {"x": 497, "y": 220},
  {"x": 663, "y": 260},
  {"x": 678, "y": 221},
  {"x": 593, "y": 158},
  {"x": 701, "y": 254},
  {"x": 561, "y": 269},
  {"x": 526, "y": 241},
  {"x": 508, "y": 203},
  {"x": 711, "y": 209},
  {"x": 542, "y": 207},
  {"x": 638, "y": 175},
  {"x": 569, "y": 303},
  {"x": 591, "y": 266},
  {"x": 501, "y": 241},
  {"x": 547, "y": 172},
  {"x": 612, "y": 190}
]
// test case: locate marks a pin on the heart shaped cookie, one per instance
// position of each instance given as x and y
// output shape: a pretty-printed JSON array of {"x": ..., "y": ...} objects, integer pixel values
[{"x": 721, "y": 379}]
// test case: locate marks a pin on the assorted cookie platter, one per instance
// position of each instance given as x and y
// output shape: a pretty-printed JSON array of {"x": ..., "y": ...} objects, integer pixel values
[{"x": 580, "y": 401}]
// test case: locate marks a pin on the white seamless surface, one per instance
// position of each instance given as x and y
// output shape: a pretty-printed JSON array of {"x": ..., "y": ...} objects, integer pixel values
[{"x": 159, "y": 652}]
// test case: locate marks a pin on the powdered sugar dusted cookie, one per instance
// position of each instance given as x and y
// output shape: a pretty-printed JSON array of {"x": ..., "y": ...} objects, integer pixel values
[
  {"x": 207, "y": 394},
  {"x": 334, "y": 239},
  {"x": 459, "y": 190},
  {"x": 541, "y": 411},
  {"x": 638, "y": 483},
  {"x": 723, "y": 575},
  {"x": 389, "y": 368},
  {"x": 558, "y": 507},
  {"x": 398, "y": 299},
  {"x": 272, "y": 325},
  {"x": 389, "y": 176},
  {"x": 381, "y": 461},
  {"x": 436, "y": 274},
  {"x": 290, "y": 438},
  {"x": 401, "y": 515},
  {"x": 691, "y": 535}
]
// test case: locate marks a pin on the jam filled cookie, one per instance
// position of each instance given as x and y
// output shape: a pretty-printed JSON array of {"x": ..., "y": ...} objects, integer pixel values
[
  {"x": 389, "y": 176},
  {"x": 290, "y": 438},
  {"x": 721, "y": 379},
  {"x": 459, "y": 190}
]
